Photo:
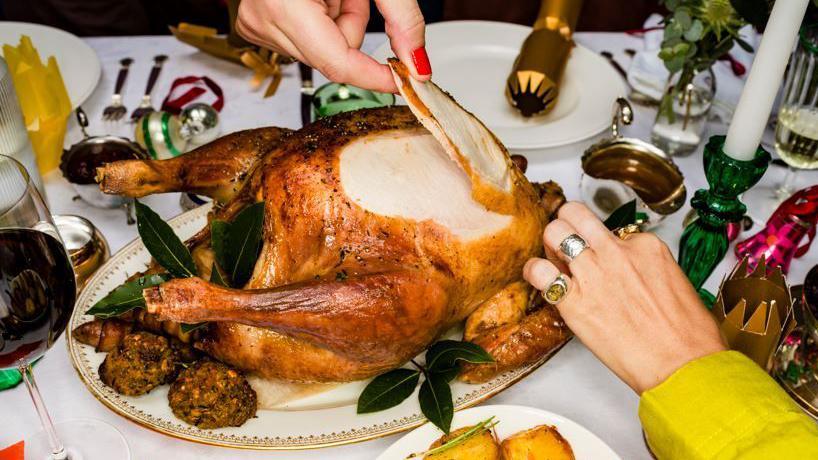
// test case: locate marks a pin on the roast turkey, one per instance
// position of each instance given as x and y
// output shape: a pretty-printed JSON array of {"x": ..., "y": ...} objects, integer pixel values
[{"x": 383, "y": 229}]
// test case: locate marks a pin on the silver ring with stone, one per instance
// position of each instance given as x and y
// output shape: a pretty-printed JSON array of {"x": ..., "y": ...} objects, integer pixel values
[
  {"x": 555, "y": 291},
  {"x": 572, "y": 246}
]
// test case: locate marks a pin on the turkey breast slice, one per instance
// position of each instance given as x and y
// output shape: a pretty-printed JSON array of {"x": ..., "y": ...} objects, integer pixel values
[
  {"x": 464, "y": 137},
  {"x": 408, "y": 174}
]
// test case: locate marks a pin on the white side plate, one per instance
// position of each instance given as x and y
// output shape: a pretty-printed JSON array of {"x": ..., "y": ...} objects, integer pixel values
[{"x": 512, "y": 419}]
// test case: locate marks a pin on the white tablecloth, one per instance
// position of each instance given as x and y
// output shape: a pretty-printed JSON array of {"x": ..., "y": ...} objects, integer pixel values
[{"x": 573, "y": 383}]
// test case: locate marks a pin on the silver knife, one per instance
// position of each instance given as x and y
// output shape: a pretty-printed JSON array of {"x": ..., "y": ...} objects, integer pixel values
[{"x": 307, "y": 90}]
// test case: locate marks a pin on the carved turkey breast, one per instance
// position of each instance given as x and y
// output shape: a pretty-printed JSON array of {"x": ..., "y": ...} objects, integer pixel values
[{"x": 383, "y": 228}]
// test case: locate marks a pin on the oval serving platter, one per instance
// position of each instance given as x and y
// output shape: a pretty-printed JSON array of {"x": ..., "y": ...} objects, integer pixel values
[{"x": 291, "y": 425}]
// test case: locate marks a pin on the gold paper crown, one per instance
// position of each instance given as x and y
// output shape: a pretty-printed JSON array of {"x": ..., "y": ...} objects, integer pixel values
[{"x": 761, "y": 312}]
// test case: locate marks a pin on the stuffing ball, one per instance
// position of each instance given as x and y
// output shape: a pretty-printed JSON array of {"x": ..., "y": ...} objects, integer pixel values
[
  {"x": 142, "y": 362},
  {"x": 211, "y": 395}
]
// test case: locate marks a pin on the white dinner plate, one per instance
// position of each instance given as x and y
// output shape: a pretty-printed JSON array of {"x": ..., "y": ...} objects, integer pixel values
[
  {"x": 511, "y": 420},
  {"x": 321, "y": 419},
  {"x": 79, "y": 64},
  {"x": 472, "y": 60}
]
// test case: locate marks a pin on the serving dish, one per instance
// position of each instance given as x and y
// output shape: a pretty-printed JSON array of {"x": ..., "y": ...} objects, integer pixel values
[{"x": 292, "y": 424}]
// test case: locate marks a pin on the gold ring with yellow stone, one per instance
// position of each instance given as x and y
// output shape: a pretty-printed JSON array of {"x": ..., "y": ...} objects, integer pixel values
[
  {"x": 624, "y": 232},
  {"x": 555, "y": 291}
]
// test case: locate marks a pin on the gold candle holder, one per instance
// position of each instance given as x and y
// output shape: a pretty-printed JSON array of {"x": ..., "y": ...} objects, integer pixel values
[{"x": 533, "y": 85}]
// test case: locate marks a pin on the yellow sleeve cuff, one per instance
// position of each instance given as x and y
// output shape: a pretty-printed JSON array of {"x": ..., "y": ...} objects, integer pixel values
[{"x": 725, "y": 406}]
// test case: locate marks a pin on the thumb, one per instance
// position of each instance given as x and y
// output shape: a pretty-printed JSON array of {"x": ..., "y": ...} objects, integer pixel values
[{"x": 406, "y": 30}]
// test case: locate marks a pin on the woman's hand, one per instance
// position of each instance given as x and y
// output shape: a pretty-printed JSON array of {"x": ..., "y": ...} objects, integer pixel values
[
  {"x": 627, "y": 300},
  {"x": 327, "y": 34}
]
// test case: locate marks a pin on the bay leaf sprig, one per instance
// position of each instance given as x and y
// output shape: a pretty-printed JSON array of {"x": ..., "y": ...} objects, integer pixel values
[
  {"x": 126, "y": 297},
  {"x": 236, "y": 244},
  {"x": 168, "y": 251},
  {"x": 443, "y": 361},
  {"x": 158, "y": 237}
]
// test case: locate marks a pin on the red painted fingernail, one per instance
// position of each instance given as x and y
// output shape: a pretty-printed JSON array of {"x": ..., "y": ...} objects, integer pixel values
[{"x": 421, "y": 60}]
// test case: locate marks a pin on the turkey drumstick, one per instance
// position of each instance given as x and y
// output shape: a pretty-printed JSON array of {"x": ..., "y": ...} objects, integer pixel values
[{"x": 217, "y": 169}]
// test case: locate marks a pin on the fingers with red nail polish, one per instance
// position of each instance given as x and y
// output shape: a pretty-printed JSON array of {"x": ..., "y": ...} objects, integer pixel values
[
  {"x": 406, "y": 28},
  {"x": 421, "y": 61}
]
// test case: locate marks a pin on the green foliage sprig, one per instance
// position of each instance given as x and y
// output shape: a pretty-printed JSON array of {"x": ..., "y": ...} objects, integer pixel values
[
  {"x": 236, "y": 246},
  {"x": 443, "y": 361},
  {"x": 697, "y": 33}
]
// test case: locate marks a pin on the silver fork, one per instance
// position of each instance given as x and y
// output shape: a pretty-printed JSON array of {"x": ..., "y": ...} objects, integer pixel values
[
  {"x": 116, "y": 110},
  {"x": 145, "y": 107}
]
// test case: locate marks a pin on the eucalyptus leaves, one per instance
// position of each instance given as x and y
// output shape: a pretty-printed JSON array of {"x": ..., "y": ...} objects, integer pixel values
[
  {"x": 443, "y": 361},
  {"x": 697, "y": 33},
  {"x": 235, "y": 245}
]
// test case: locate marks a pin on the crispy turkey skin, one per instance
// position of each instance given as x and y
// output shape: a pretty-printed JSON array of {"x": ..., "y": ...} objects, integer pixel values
[{"x": 383, "y": 228}]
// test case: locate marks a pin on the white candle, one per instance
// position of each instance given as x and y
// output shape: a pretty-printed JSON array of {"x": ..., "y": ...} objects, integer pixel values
[{"x": 756, "y": 102}]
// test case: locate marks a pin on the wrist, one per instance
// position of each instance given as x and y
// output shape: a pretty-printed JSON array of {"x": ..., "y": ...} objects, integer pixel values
[{"x": 671, "y": 361}]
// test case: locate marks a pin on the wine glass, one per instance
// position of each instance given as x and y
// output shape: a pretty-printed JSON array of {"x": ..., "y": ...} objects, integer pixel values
[
  {"x": 796, "y": 132},
  {"x": 37, "y": 295}
]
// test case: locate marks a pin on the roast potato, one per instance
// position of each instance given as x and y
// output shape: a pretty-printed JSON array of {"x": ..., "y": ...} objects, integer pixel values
[
  {"x": 482, "y": 446},
  {"x": 542, "y": 442}
]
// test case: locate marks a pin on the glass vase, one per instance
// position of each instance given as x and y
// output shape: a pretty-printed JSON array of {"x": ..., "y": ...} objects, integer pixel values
[{"x": 682, "y": 117}]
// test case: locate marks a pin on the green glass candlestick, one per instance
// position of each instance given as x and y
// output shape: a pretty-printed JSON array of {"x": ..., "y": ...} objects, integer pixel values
[{"x": 704, "y": 241}]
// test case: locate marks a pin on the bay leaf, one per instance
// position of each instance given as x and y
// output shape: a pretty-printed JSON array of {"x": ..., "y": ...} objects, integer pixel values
[
  {"x": 444, "y": 355},
  {"x": 236, "y": 244},
  {"x": 435, "y": 399},
  {"x": 388, "y": 390},
  {"x": 622, "y": 216},
  {"x": 216, "y": 276},
  {"x": 163, "y": 244},
  {"x": 126, "y": 297}
]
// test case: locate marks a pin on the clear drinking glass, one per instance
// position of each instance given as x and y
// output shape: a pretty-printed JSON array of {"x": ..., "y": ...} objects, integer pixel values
[
  {"x": 796, "y": 132},
  {"x": 682, "y": 116},
  {"x": 37, "y": 295}
]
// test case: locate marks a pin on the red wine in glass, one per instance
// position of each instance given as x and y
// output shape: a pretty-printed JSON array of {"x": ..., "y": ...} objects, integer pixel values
[{"x": 37, "y": 293}]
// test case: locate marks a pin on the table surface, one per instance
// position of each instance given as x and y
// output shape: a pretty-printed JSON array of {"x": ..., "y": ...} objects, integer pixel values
[{"x": 573, "y": 383}]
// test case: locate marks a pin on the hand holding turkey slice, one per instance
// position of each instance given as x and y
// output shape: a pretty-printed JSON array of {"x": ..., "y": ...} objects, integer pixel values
[
  {"x": 383, "y": 229},
  {"x": 335, "y": 30}
]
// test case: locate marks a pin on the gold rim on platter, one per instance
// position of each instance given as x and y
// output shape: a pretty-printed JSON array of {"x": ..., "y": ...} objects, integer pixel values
[{"x": 130, "y": 409}]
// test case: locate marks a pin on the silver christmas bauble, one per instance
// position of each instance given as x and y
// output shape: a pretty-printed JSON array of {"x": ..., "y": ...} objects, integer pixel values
[{"x": 200, "y": 123}]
